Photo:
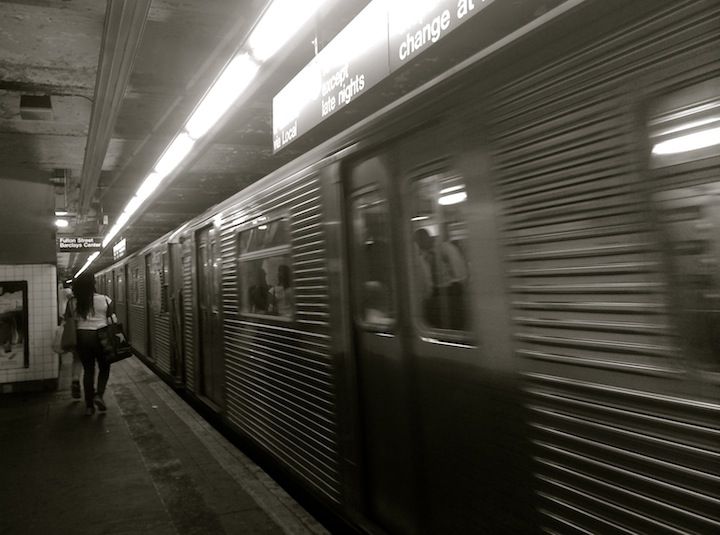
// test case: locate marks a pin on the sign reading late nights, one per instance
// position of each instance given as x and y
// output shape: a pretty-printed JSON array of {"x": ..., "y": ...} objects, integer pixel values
[
  {"x": 78, "y": 244},
  {"x": 382, "y": 38}
]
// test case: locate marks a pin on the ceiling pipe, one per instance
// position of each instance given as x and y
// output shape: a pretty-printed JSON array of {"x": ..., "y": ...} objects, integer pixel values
[{"x": 123, "y": 30}]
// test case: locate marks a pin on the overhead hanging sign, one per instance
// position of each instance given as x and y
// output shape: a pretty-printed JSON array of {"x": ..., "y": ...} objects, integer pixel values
[
  {"x": 119, "y": 249},
  {"x": 382, "y": 38},
  {"x": 79, "y": 244}
]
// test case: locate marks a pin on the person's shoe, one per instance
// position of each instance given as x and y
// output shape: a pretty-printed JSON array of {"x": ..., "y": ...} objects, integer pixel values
[
  {"x": 89, "y": 411},
  {"x": 75, "y": 389},
  {"x": 100, "y": 403}
]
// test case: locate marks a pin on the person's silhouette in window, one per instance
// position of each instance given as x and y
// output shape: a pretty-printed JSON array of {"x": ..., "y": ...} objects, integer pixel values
[
  {"x": 442, "y": 274},
  {"x": 259, "y": 292},
  {"x": 282, "y": 295}
]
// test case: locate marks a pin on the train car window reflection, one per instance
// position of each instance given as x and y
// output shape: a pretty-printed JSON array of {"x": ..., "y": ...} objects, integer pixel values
[
  {"x": 440, "y": 267},
  {"x": 372, "y": 258},
  {"x": 120, "y": 290},
  {"x": 135, "y": 286},
  {"x": 265, "y": 284}
]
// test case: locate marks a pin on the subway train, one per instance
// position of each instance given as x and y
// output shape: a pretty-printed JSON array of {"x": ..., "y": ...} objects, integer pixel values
[{"x": 492, "y": 306}]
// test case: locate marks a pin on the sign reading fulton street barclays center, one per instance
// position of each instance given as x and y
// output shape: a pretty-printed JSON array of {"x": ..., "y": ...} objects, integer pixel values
[
  {"x": 382, "y": 38},
  {"x": 78, "y": 244}
]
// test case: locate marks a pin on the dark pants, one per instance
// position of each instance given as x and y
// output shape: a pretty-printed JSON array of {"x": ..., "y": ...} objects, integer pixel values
[{"x": 89, "y": 350}]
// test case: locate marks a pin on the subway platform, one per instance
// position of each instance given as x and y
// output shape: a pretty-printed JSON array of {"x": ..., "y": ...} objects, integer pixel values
[{"x": 150, "y": 464}]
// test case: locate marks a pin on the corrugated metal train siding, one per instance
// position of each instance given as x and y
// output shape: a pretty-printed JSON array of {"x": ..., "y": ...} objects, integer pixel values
[
  {"x": 615, "y": 451},
  {"x": 161, "y": 342},
  {"x": 279, "y": 376},
  {"x": 188, "y": 315}
]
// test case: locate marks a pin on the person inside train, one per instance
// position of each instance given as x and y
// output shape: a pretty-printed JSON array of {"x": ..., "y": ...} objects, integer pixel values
[
  {"x": 91, "y": 311},
  {"x": 259, "y": 292},
  {"x": 282, "y": 295},
  {"x": 64, "y": 295},
  {"x": 441, "y": 276}
]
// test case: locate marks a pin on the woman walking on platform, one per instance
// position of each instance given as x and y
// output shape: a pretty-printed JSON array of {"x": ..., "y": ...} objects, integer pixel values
[{"x": 91, "y": 311}]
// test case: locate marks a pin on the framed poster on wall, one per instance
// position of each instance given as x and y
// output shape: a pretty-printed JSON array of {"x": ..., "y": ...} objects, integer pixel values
[{"x": 14, "y": 352}]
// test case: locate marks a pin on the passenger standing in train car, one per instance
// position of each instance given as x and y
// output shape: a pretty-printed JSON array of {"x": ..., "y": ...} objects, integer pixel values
[
  {"x": 281, "y": 295},
  {"x": 442, "y": 278},
  {"x": 259, "y": 292},
  {"x": 64, "y": 296},
  {"x": 91, "y": 311}
]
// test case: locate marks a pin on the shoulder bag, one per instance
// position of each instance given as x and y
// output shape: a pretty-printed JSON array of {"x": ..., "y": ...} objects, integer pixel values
[
  {"x": 68, "y": 339},
  {"x": 113, "y": 340}
]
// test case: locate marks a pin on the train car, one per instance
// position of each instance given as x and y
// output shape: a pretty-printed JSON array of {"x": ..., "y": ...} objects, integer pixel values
[{"x": 490, "y": 307}]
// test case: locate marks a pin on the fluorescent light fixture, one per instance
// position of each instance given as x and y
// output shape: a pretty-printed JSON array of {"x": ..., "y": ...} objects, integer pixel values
[
  {"x": 174, "y": 154},
  {"x": 453, "y": 198},
  {"x": 450, "y": 189},
  {"x": 278, "y": 24},
  {"x": 695, "y": 141},
  {"x": 133, "y": 205},
  {"x": 234, "y": 79},
  {"x": 61, "y": 223},
  {"x": 61, "y": 213},
  {"x": 89, "y": 261},
  {"x": 420, "y": 218},
  {"x": 150, "y": 184}
]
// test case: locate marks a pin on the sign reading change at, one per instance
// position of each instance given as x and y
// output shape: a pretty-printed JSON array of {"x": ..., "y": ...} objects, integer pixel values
[{"x": 382, "y": 38}]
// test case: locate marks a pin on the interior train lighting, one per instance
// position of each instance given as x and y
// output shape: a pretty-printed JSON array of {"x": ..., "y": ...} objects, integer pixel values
[
  {"x": 453, "y": 198},
  {"x": 280, "y": 21},
  {"x": 697, "y": 140},
  {"x": 278, "y": 24}
]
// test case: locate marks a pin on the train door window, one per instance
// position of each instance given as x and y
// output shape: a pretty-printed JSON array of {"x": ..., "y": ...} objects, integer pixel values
[
  {"x": 120, "y": 288},
  {"x": 684, "y": 131},
  {"x": 372, "y": 259},
  {"x": 439, "y": 233},
  {"x": 265, "y": 281},
  {"x": 135, "y": 286},
  {"x": 154, "y": 283}
]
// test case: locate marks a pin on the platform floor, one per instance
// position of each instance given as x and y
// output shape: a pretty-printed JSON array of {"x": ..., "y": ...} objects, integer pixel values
[{"x": 150, "y": 464}]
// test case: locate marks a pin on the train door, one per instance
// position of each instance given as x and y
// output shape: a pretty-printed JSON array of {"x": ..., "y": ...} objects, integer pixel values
[
  {"x": 470, "y": 428},
  {"x": 123, "y": 293},
  {"x": 212, "y": 365},
  {"x": 382, "y": 361}
]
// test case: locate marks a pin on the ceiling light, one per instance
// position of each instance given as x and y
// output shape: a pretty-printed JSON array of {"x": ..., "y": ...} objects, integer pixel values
[
  {"x": 150, "y": 184},
  {"x": 61, "y": 223},
  {"x": 695, "y": 141},
  {"x": 61, "y": 213},
  {"x": 224, "y": 92},
  {"x": 174, "y": 154},
  {"x": 278, "y": 24}
]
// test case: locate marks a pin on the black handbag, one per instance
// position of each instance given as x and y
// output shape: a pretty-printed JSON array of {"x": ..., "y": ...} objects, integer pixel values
[
  {"x": 114, "y": 342},
  {"x": 68, "y": 339}
]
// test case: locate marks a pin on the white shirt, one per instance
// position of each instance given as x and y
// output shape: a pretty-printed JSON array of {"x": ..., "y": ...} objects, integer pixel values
[{"x": 97, "y": 315}]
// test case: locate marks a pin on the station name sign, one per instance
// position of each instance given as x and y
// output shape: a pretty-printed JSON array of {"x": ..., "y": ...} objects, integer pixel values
[
  {"x": 78, "y": 244},
  {"x": 379, "y": 40}
]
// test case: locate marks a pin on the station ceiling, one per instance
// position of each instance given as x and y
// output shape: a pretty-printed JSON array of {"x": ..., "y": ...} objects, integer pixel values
[
  {"x": 92, "y": 92},
  {"x": 122, "y": 76}
]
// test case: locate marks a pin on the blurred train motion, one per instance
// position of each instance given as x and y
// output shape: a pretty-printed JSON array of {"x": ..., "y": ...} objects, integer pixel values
[{"x": 491, "y": 307}]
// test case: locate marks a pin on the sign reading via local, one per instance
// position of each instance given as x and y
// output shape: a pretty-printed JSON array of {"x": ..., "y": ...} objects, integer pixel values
[
  {"x": 79, "y": 244},
  {"x": 382, "y": 38}
]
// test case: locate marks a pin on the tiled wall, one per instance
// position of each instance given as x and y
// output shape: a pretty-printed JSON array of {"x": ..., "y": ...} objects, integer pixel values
[{"x": 42, "y": 305}]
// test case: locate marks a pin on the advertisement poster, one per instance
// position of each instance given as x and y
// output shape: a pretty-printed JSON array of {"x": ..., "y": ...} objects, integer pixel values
[{"x": 13, "y": 325}]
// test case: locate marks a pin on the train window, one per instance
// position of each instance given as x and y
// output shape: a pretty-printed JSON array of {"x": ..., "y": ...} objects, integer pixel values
[
  {"x": 120, "y": 289},
  {"x": 164, "y": 283},
  {"x": 265, "y": 282},
  {"x": 684, "y": 130},
  {"x": 135, "y": 286},
  {"x": 372, "y": 259},
  {"x": 440, "y": 270},
  {"x": 685, "y": 126}
]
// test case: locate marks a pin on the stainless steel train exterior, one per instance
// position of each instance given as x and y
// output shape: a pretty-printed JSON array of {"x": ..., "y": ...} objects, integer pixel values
[{"x": 566, "y": 380}]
